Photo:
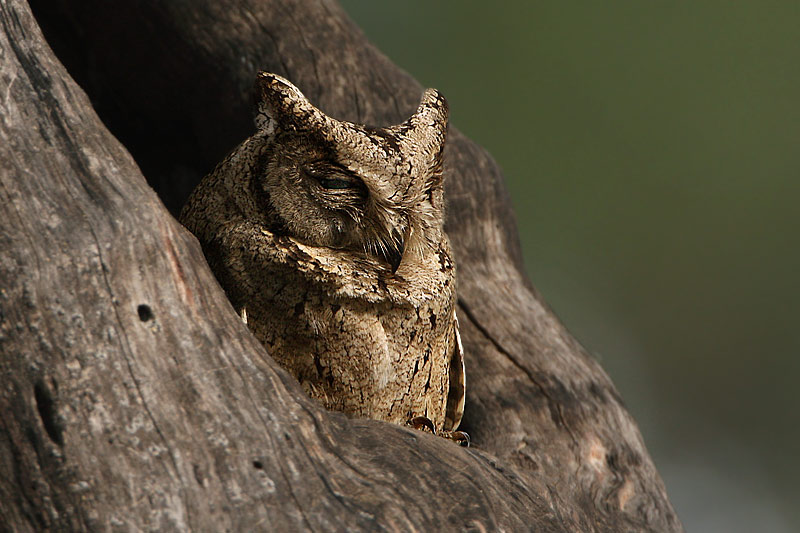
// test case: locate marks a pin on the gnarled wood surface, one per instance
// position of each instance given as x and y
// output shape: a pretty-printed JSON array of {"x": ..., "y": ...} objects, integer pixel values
[{"x": 132, "y": 397}]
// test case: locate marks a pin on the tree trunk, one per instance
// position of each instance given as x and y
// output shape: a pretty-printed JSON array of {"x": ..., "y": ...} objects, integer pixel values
[{"x": 133, "y": 398}]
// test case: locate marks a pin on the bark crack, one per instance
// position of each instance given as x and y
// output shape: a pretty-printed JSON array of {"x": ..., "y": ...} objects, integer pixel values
[
  {"x": 516, "y": 362},
  {"x": 126, "y": 350}
]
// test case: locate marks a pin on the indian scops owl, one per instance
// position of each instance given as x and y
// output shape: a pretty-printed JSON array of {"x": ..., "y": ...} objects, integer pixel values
[{"x": 328, "y": 238}]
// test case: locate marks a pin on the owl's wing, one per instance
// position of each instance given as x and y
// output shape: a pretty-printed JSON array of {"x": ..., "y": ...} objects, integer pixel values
[{"x": 458, "y": 383}]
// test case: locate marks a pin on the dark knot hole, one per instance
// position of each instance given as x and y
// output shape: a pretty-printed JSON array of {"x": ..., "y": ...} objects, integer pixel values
[
  {"x": 145, "y": 313},
  {"x": 46, "y": 406}
]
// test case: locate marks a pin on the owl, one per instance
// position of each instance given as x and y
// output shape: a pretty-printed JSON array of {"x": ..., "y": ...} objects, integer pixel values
[{"x": 328, "y": 239}]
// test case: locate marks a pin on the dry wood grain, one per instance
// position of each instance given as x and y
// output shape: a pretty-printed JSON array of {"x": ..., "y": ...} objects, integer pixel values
[{"x": 133, "y": 398}]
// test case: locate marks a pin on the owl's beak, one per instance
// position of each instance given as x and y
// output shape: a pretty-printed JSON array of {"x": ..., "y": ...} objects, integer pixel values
[
  {"x": 395, "y": 255},
  {"x": 400, "y": 250}
]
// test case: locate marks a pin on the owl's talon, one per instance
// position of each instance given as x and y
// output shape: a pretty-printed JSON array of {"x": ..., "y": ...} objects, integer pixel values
[
  {"x": 459, "y": 437},
  {"x": 422, "y": 423}
]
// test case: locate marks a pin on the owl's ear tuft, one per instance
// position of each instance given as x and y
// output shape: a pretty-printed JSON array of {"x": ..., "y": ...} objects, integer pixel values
[
  {"x": 429, "y": 121},
  {"x": 280, "y": 104},
  {"x": 432, "y": 112},
  {"x": 427, "y": 128}
]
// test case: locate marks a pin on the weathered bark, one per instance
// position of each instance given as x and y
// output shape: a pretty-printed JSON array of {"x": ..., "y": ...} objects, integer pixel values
[{"x": 132, "y": 396}]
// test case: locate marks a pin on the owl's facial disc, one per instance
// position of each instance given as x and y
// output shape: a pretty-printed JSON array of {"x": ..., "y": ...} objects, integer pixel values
[
  {"x": 358, "y": 222},
  {"x": 322, "y": 203}
]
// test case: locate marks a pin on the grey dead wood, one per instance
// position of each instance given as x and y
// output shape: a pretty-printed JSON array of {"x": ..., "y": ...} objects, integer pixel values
[{"x": 131, "y": 395}]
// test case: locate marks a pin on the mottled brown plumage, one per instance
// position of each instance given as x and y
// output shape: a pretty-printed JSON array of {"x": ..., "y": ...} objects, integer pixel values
[{"x": 328, "y": 238}]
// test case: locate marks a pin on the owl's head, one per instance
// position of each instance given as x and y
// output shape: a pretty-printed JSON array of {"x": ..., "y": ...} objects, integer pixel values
[{"x": 341, "y": 185}]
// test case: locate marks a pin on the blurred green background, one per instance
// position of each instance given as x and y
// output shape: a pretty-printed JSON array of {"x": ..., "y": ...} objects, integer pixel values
[{"x": 652, "y": 150}]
